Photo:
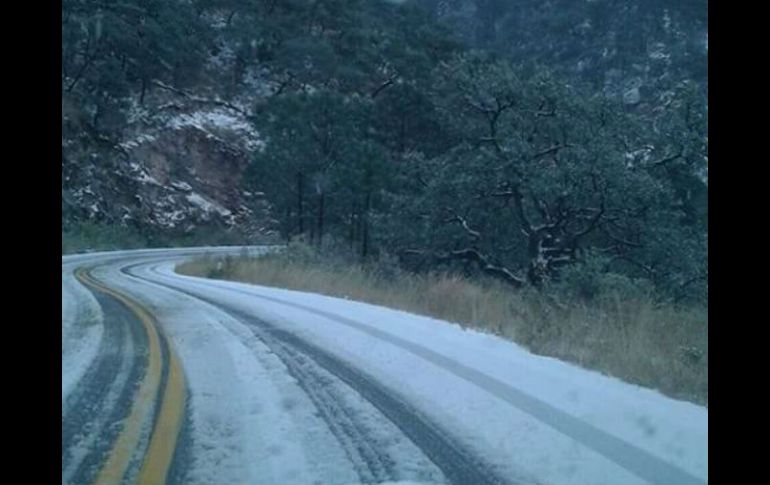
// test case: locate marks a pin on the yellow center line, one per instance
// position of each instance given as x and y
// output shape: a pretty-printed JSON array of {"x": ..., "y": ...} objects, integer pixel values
[
  {"x": 166, "y": 433},
  {"x": 160, "y": 450}
]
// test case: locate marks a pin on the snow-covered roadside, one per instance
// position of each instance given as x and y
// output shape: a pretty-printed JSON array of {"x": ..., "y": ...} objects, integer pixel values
[
  {"x": 675, "y": 432},
  {"x": 81, "y": 330},
  {"x": 251, "y": 421}
]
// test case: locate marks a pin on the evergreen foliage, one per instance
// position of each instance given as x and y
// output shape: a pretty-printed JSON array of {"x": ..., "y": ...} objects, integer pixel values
[{"x": 386, "y": 132}]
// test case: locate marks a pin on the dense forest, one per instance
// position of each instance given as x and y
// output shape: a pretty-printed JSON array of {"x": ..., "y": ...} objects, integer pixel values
[{"x": 528, "y": 141}]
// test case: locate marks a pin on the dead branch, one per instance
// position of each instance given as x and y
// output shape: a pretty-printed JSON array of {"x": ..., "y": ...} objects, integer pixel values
[{"x": 196, "y": 99}]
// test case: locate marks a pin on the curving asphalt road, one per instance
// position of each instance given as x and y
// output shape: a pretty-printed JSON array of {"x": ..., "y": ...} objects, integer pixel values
[{"x": 180, "y": 380}]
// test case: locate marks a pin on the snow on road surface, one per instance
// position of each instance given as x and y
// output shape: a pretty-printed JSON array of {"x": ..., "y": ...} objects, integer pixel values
[
  {"x": 80, "y": 328},
  {"x": 292, "y": 387}
]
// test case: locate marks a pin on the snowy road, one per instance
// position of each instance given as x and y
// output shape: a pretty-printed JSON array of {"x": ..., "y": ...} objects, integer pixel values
[{"x": 180, "y": 380}]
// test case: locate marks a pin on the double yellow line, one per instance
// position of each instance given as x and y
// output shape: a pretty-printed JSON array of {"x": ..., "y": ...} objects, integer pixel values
[{"x": 160, "y": 451}]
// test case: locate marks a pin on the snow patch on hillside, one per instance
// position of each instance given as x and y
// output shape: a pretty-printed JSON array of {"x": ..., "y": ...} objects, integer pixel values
[
  {"x": 218, "y": 119},
  {"x": 215, "y": 123},
  {"x": 206, "y": 205},
  {"x": 139, "y": 140}
]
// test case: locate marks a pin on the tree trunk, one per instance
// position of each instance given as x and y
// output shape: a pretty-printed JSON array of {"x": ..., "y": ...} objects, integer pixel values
[
  {"x": 536, "y": 268},
  {"x": 352, "y": 233},
  {"x": 402, "y": 135},
  {"x": 365, "y": 233},
  {"x": 300, "y": 214},
  {"x": 144, "y": 90},
  {"x": 80, "y": 72},
  {"x": 95, "y": 119},
  {"x": 287, "y": 225},
  {"x": 321, "y": 198}
]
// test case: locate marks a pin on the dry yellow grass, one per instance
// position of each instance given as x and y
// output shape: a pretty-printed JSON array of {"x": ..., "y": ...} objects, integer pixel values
[{"x": 653, "y": 345}]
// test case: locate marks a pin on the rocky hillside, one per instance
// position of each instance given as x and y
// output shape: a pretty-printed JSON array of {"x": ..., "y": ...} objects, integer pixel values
[
  {"x": 162, "y": 159},
  {"x": 159, "y": 99},
  {"x": 175, "y": 166}
]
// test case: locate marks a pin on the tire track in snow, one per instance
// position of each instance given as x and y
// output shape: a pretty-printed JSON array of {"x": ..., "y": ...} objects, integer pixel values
[
  {"x": 459, "y": 466},
  {"x": 101, "y": 399},
  {"x": 371, "y": 464},
  {"x": 634, "y": 459}
]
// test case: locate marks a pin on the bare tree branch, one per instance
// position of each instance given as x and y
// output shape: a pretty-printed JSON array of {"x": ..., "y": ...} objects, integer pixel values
[
  {"x": 476, "y": 235},
  {"x": 519, "y": 207},
  {"x": 384, "y": 85},
  {"x": 500, "y": 272},
  {"x": 665, "y": 160},
  {"x": 196, "y": 99},
  {"x": 550, "y": 150}
]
